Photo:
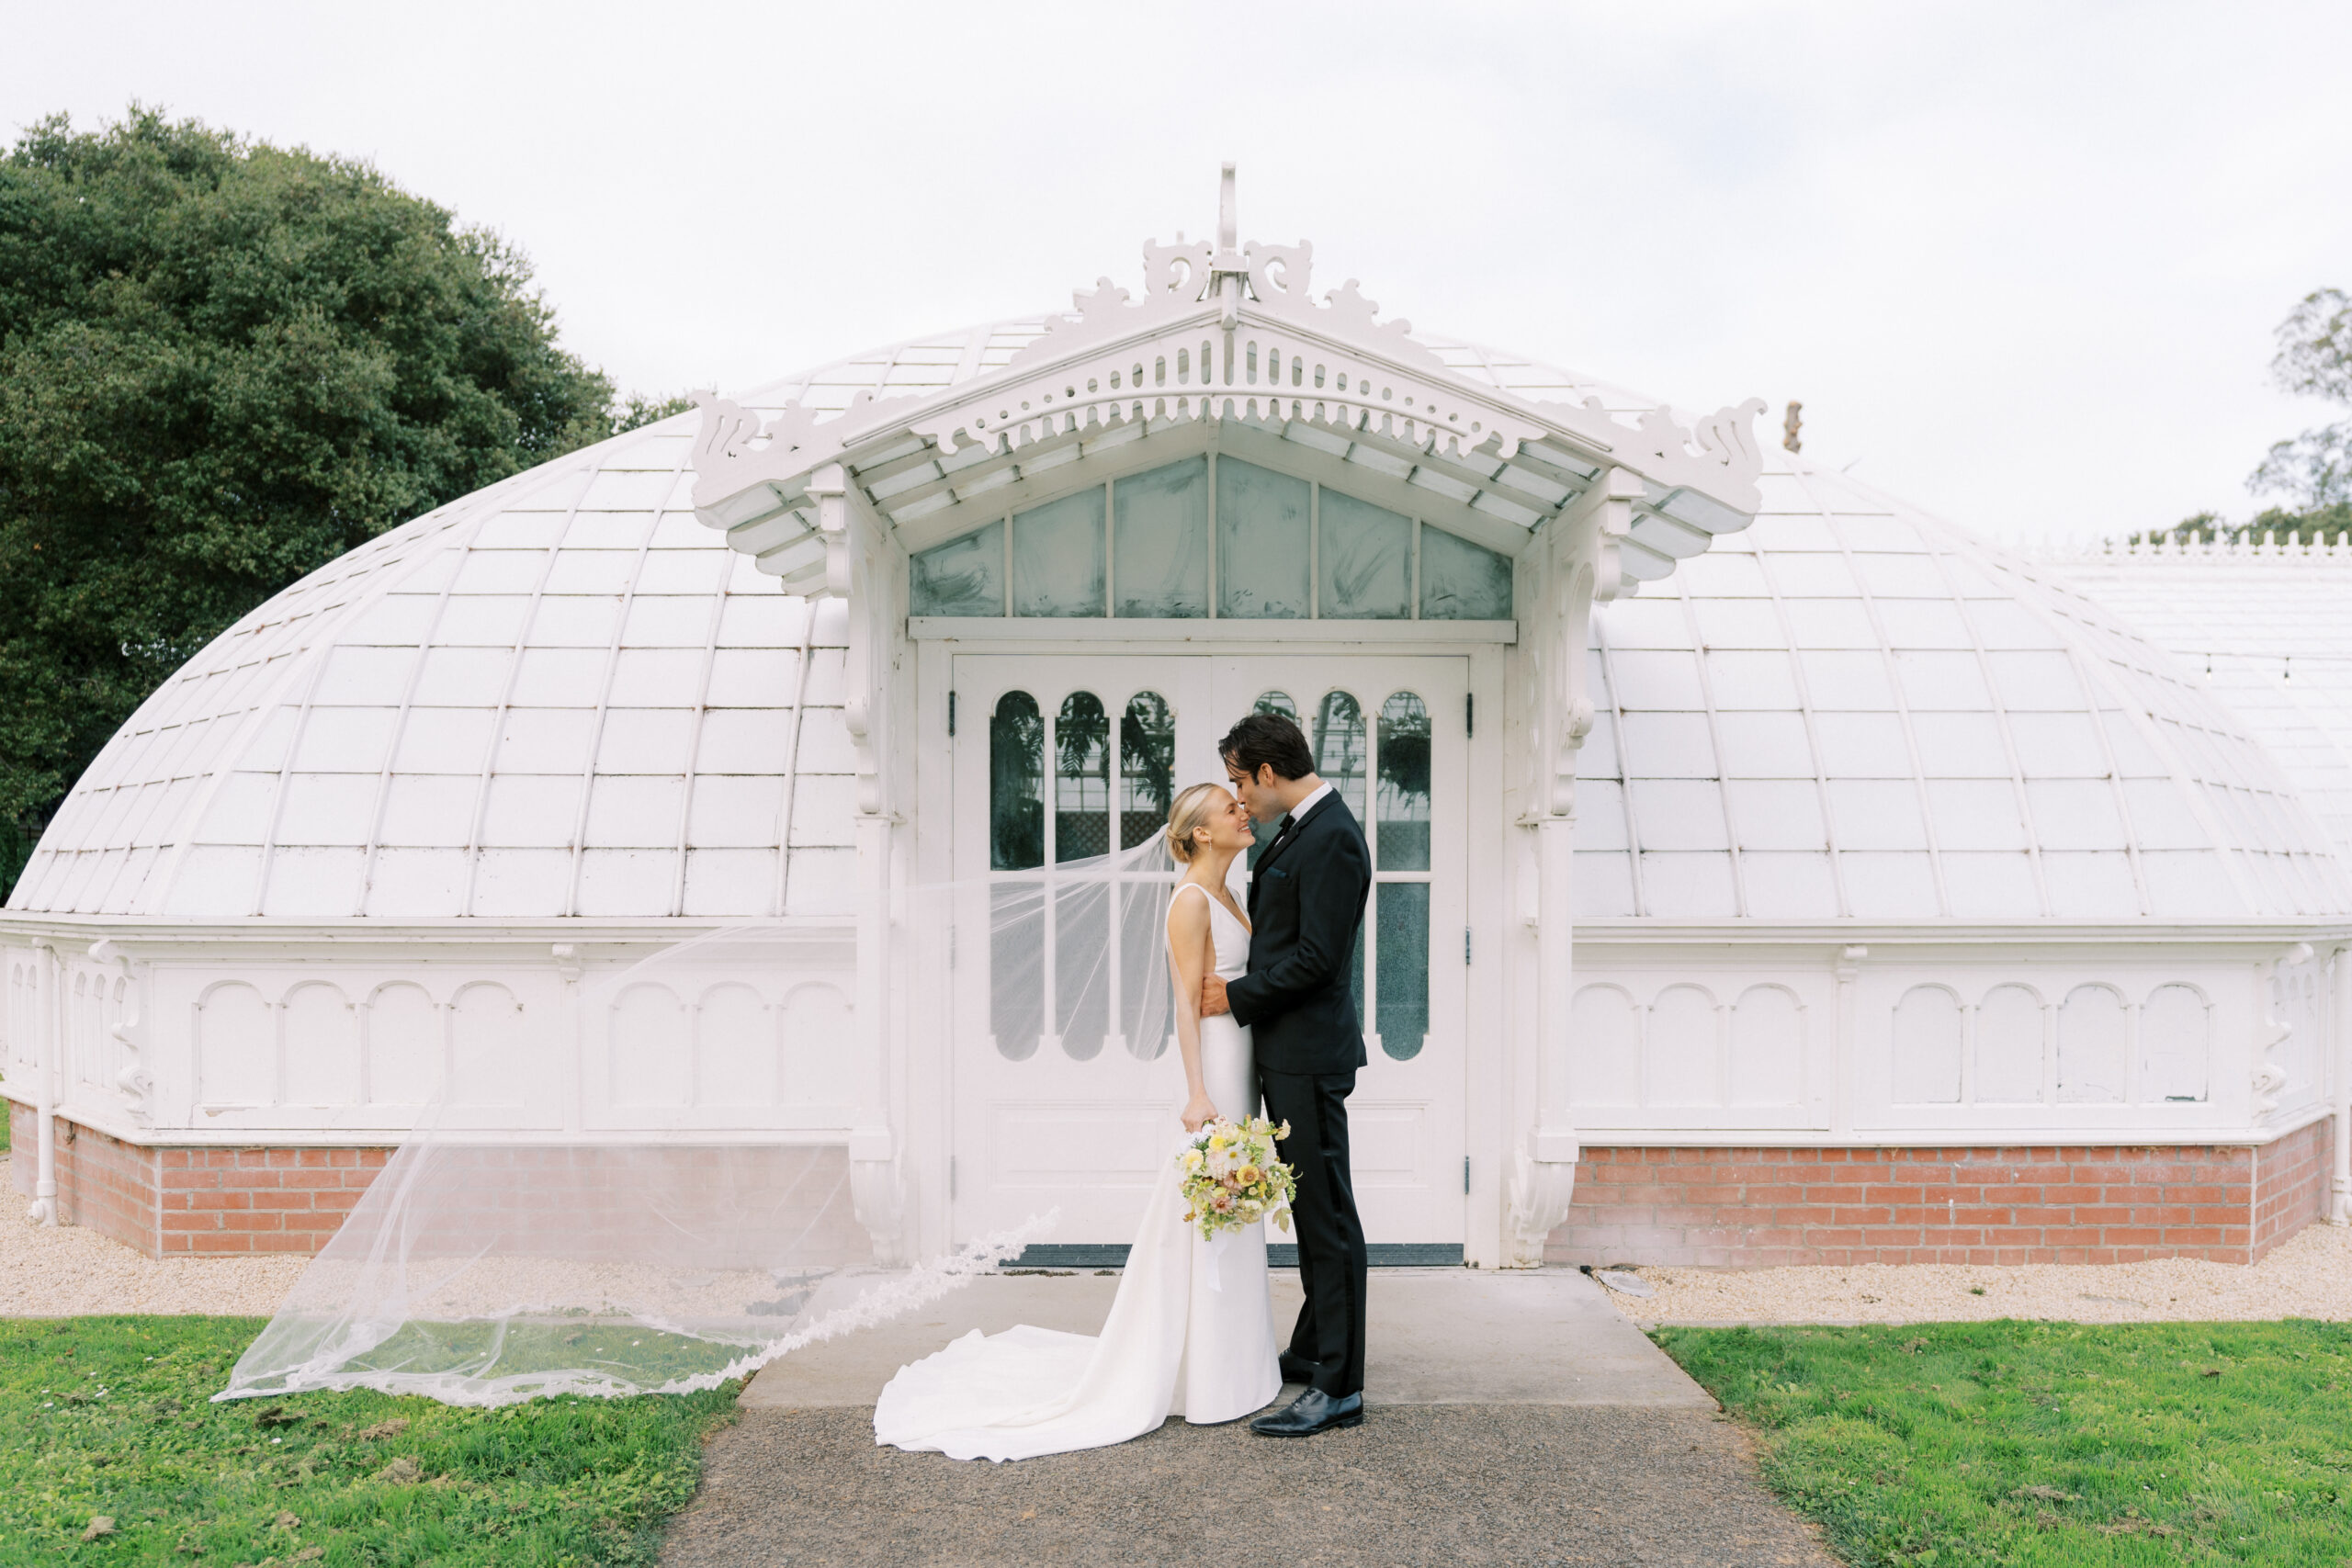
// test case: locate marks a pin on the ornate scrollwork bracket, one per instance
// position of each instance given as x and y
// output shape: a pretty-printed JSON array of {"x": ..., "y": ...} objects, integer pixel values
[
  {"x": 2270, "y": 1078},
  {"x": 133, "y": 1081}
]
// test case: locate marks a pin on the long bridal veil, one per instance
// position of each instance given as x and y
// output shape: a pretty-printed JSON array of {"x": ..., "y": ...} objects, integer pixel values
[{"x": 675, "y": 1202}]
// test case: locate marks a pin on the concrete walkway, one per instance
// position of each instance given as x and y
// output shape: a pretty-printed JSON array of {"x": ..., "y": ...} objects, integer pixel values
[
  {"x": 1436, "y": 1337},
  {"x": 1516, "y": 1419}
]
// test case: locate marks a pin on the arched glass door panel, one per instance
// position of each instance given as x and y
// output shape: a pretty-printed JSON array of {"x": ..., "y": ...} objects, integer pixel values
[
  {"x": 1403, "y": 811},
  {"x": 1337, "y": 738},
  {"x": 1080, "y": 914},
  {"x": 1016, "y": 842},
  {"x": 1016, "y": 784},
  {"x": 1400, "y": 913},
  {"x": 1081, "y": 779},
  {"x": 1147, "y": 768},
  {"x": 1276, "y": 703}
]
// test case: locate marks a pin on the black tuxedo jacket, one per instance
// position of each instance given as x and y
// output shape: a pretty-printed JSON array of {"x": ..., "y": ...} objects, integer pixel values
[{"x": 1306, "y": 901}]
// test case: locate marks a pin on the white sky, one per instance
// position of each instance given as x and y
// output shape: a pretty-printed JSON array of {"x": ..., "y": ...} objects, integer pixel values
[{"x": 2021, "y": 262}]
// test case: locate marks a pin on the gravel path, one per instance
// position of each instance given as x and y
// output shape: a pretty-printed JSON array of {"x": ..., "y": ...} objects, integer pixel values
[
  {"x": 67, "y": 1271},
  {"x": 2308, "y": 1275},
  {"x": 1415, "y": 1485}
]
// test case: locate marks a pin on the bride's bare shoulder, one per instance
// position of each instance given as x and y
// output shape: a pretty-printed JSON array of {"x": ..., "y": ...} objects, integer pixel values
[{"x": 1188, "y": 914}]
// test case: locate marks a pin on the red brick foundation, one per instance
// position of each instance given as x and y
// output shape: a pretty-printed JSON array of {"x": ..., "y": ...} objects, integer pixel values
[
  {"x": 169, "y": 1202},
  {"x": 1753, "y": 1208}
]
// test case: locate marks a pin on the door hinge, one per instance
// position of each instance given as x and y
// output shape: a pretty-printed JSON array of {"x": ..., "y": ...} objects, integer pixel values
[
  {"x": 1465, "y": 944},
  {"x": 951, "y": 716},
  {"x": 1465, "y": 1176},
  {"x": 1470, "y": 713}
]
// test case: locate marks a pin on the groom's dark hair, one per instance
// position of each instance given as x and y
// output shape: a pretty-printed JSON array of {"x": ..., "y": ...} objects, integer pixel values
[{"x": 1267, "y": 740}]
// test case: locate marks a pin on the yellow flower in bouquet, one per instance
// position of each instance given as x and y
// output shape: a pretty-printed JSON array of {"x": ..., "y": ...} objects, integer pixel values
[{"x": 1232, "y": 1177}]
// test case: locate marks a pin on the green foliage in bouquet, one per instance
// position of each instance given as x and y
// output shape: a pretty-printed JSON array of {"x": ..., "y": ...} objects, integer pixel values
[{"x": 1233, "y": 1179}]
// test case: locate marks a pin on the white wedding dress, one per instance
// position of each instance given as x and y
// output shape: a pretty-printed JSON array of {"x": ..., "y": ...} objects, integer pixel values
[{"x": 1191, "y": 1331}]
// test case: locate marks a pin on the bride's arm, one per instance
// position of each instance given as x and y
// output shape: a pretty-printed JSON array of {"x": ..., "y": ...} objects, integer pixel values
[{"x": 1188, "y": 959}]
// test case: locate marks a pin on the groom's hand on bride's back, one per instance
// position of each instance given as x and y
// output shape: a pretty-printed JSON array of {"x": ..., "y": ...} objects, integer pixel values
[{"x": 1213, "y": 1000}]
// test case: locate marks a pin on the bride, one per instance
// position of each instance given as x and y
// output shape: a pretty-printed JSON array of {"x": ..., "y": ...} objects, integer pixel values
[{"x": 1191, "y": 1331}]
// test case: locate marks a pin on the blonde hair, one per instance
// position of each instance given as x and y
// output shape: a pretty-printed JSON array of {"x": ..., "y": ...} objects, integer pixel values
[{"x": 1191, "y": 812}]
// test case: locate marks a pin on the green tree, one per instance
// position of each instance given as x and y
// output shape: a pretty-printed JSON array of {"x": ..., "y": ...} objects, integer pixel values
[
  {"x": 2313, "y": 470},
  {"x": 2315, "y": 360},
  {"x": 222, "y": 364}
]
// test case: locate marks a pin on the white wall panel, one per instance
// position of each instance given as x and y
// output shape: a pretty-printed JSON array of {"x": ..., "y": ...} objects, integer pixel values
[
  {"x": 236, "y": 1047},
  {"x": 322, "y": 1045},
  {"x": 1926, "y": 1068},
  {"x": 2093, "y": 1046}
]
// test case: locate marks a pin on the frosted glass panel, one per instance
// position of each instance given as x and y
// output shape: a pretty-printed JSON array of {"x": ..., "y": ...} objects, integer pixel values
[
  {"x": 1366, "y": 554},
  {"x": 1082, "y": 930},
  {"x": 1160, "y": 550},
  {"x": 1459, "y": 581},
  {"x": 1058, "y": 557},
  {"x": 1261, "y": 543},
  {"x": 1401, "y": 911},
  {"x": 962, "y": 577},
  {"x": 1016, "y": 935}
]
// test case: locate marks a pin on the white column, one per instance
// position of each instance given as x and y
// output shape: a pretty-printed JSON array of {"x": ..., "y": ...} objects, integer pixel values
[
  {"x": 44, "y": 1204},
  {"x": 2339, "y": 1208},
  {"x": 856, "y": 569},
  {"x": 1572, "y": 565}
]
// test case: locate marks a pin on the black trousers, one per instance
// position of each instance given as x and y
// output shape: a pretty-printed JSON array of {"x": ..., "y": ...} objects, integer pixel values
[{"x": 1330, "y": 1237}]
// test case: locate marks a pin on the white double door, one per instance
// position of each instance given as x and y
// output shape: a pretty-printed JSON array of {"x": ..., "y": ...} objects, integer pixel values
[{"x": 1060, "y": 758}]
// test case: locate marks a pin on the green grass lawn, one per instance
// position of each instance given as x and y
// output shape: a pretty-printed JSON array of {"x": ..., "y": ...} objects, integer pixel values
[
  {"x": 2068, "y": 1444},
  {"x": 108, "y": 1416}
]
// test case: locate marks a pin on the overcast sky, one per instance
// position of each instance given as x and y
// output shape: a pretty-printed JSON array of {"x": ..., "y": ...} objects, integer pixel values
[{"x": 2020, "y": 262}]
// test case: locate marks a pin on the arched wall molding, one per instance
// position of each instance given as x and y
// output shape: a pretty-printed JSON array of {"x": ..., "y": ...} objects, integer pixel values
[{"x": 2157, "y": 1035}]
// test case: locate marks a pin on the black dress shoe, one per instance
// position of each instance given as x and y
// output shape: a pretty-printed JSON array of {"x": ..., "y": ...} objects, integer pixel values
[
  {"x": 1298, "y": 1369},
  {"x": 1310, "y": 1413}
]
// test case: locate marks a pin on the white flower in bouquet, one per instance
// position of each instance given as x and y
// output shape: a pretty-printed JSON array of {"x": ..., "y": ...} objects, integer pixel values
[{"x": 1233, "y": 1176}]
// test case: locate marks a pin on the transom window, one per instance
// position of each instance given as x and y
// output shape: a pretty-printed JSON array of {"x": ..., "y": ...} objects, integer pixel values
[{"x": 1213, "y": 536}]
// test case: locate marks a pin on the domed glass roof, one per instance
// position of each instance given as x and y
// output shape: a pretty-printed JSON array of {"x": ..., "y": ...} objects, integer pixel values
[
  {"x": 2264, "y": 628},
  {"x": 1851, "y": 709},
  {"x": 564, "y": 695}
]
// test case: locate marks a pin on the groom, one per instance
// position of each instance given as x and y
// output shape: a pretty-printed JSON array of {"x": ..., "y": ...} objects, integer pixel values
[{"x": 1306, "y": 898}]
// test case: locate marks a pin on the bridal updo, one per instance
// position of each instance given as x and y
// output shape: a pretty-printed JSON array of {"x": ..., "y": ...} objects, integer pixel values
[{"x": 1190, "y": 813}]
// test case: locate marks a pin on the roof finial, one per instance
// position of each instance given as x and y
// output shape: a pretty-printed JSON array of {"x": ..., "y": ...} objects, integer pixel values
[{"x": 1228, "y": 225}]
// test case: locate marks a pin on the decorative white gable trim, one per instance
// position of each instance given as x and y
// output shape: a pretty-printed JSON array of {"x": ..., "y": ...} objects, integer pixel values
[{"x": 1220, "y": 331}]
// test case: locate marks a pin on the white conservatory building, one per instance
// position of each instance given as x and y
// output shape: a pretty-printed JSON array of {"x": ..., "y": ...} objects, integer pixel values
[{"x": 1765, "y": 870}]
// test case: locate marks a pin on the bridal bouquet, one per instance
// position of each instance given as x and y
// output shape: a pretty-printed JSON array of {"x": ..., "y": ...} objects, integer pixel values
[{"x": 1232, "y": 1179}]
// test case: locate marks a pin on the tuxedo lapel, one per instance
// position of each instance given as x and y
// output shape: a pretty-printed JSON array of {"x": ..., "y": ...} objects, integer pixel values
[{"x": 1282, "y": 845}]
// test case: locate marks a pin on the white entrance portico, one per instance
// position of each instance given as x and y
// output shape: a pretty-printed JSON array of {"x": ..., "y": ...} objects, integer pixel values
[
  {"x": 1062, "y": 751},
  {"x": 1071, "y": 567}
]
